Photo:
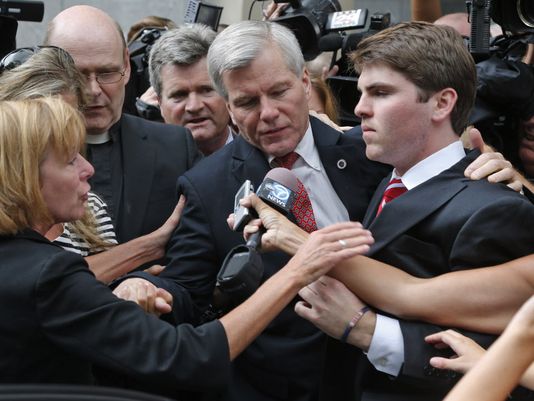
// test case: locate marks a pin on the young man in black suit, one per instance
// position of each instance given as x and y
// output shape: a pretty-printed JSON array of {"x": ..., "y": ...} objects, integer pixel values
[{"x": 418, "y": 85}]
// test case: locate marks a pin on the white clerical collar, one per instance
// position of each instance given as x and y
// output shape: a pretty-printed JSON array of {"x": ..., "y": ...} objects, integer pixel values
[{"x": 97, "y": 139}]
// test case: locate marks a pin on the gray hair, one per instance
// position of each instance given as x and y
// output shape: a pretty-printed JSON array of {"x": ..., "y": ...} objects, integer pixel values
[
  {"x": 241, "y": 43},
  {"x": 181, "y": 46}
]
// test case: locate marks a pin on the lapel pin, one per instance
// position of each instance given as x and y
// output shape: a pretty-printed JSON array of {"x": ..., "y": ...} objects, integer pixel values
[{"x": 341, "y": 164}]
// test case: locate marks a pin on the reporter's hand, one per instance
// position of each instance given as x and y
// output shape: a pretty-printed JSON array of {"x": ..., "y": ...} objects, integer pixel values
[
  {"x": 468, "y": 352},
  {"x": 280, "y": 232},
  {"x": 273, "y": 10},
  {"x": 150, "y": 97},
  {"x": 328, "y": 246},
  {"x": 491, "y": 165},
  {"x": 145, "y": 294},
  {"x": 155, "y": 270}
]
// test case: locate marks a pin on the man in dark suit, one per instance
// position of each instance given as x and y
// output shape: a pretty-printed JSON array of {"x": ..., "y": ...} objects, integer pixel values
[
  {"x": 179, "y": 76},
  {"x": 137, "y": 162},
  {"x": 266, "y": 89},
  {"x": 422, "y": 75}
]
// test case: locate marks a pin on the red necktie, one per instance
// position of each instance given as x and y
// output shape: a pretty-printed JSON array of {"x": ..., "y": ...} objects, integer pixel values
[
  {"x": 302, "y": 207},
  {"x": 395, "y": 188}
]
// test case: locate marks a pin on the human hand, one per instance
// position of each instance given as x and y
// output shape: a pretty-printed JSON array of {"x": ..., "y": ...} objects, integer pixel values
[
  {"x": 150, "y": 97},
  {"x": 330, "y": 306},
  {"x": 329, "y": 72},
  {"x": 326, "y": 248},
  {"x": 160, "y": 237},
  {"x": 145, "y": 294},
  {"x": 155, "y": 270},
  {"x": 491, "y": 165},
  {"x": 273, "y": 10},
  {"x": 468, "y": 352},
  {"x": 280, "y": 232}
]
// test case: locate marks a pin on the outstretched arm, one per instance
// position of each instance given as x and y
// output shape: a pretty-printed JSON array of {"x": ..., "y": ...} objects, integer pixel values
[
  {"x": 467, "y": 354},
  {"x": 123, "y": 258},
  {"x": 458, "y": 299},
  {"x": 315, "y": 257},
  {"x": 500, "y": 369}
]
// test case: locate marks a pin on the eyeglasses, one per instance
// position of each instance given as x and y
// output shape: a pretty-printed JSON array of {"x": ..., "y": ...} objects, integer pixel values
[
  {"x": 106, "y": 78},
  {"x": 21, "y": 55}
]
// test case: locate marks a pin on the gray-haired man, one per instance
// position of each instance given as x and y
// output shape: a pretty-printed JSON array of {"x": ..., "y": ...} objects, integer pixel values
[{"x": 179, "y": 76}]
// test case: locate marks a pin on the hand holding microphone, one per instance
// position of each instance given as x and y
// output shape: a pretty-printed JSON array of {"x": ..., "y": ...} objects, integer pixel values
[
  {"x": 242, "y": 270},
  {"x": 277, "y": 190}
]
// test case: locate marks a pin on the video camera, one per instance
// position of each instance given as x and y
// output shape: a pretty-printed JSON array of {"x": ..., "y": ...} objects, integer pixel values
[
  {"x": 505, "y": 90},
  {"x": 139, "y": 48},
  {"x": 514, "y": 16},
  {"x": 10, "y": 13},
  {"x": 319, "y": 25},
  {"x": 322, "y": 26}
]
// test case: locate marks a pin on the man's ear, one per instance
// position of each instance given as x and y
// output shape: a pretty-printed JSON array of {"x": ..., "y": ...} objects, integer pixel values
[
  {"x": 445, "y": 100},
  {"x": 230, "y": 113},
  {"x": 306, "y": 81},
  {"x": 128, "y": 68}
]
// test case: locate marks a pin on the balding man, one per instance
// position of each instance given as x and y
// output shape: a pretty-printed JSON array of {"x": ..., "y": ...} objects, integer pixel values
[{"x": 137, "y": 162}]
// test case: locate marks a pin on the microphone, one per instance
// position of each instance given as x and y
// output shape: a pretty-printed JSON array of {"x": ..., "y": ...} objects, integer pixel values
[
  {"x": 242, "y": 270},
  {"x": 330, "y": 42},
  {"x": 278, "y": 190}
]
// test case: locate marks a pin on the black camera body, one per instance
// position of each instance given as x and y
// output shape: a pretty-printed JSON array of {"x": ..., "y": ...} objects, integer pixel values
[
  {"x": 308, "y": 20},
  {"x": 514, "y": 16},
  {"x": 505, "y": 88}
]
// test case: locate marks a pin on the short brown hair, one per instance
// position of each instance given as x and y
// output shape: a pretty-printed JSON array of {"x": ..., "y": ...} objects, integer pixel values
[
  {"x": 432, "y": 57},
  {"x": 29, "y": 129}
]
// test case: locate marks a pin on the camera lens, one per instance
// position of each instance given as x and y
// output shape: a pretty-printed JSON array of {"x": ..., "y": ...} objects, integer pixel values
[{"x": 525, "y": 10}]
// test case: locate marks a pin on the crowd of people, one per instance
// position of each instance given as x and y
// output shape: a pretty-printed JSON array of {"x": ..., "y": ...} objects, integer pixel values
[{"x": 405, "y": 254}]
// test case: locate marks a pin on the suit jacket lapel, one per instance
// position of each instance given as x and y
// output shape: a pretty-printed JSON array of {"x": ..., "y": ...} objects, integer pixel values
[
  {"x": 415, "y": 205},
  {"x": 248, "y": 162},
  {"x": 337, "y": 160},
  {"x": 138, "y": 176},
  {"x": 375, "y": 201}
]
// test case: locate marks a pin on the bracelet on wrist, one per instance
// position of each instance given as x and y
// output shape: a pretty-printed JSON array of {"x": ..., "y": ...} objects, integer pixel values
[{"x": 353, "y": 322}]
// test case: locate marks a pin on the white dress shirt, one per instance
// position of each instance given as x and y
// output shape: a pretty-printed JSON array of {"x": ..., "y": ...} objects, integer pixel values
[
  {"x": 327, "y": 207},
  {"x": 386, "y": 351}
]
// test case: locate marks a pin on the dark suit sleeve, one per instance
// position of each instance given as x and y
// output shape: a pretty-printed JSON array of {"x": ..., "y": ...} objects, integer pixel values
[
  {"x": 498, "y": 232},
  {"x": 193, "y": 259},
  {"x": 193, "y": 154},
  {"x": 81, "y": 316}
]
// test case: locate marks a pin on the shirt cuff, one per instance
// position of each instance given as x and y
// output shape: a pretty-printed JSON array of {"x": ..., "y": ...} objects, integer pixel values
[{"x": 386, "y": 352}]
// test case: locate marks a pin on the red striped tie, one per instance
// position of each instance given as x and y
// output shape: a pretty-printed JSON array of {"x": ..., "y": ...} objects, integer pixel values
[
  {"x": 395, "y": 188},
  {"x": 302, "y": 208}
]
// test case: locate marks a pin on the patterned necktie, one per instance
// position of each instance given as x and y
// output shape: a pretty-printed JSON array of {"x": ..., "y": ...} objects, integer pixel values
[
  {"x": 395, "y": 188},
  {"x": 302, "y": 207}
]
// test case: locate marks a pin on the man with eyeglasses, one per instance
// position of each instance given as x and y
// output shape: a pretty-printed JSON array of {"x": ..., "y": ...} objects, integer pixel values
[{"x": 137, "y": 162}]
